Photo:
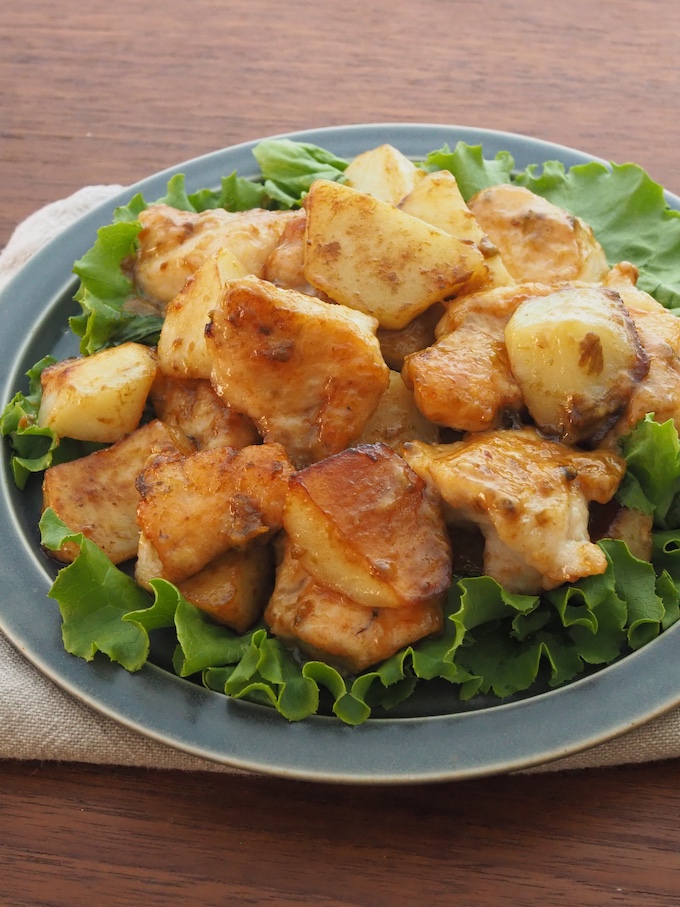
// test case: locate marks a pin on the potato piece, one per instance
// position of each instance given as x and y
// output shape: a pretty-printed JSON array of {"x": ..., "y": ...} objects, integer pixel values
[
  {"x": 99, "y": 397},
  {"x": 327, "y": 625},
  {"x": 437, "y": 200},
  {"x": 577, "y": 358},
  {"x": 96, "y": 495},
  {"x": 194, "y": 508},
  {"x": 182, "y": 352},
  {"x": 363, "y": 524},
  {"x": 370, "y": 256},
  {"x": 233, "y": 588},
  {"x": 538, "y": 241},
  {"x": 397, "y": 419},
  {"x": 195, "y": 408},
  {"x": 308, "y": 373},
  {"x": 384, "y": 173}
]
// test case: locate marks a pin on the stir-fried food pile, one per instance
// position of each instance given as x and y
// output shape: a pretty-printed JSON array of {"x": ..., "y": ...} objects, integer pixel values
[{"x": 353, "y": 402}]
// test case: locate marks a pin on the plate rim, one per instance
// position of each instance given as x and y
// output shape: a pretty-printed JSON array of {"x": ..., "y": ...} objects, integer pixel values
[{"x": 381, "y": 751}]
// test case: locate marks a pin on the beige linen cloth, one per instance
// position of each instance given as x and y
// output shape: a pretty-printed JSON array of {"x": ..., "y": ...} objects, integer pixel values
[{"x": 38, "y": 721}]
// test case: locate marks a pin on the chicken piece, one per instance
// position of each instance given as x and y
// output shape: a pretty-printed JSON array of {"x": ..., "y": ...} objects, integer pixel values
[
  {"x": 96, "y": 495},
  {"x": 530, "y": 498},
  {"x": 173, "y": 244},
  {"x": 327, "y": 625},
  {"x": 194, "y": 508},
  {"x": 418, "y": 334},
  {"x": 285, "y": 266},
  {"x": 308, "y": 373},
  {"x": 463, "y": 381},
  {"x": 397, "y": 419},
  {"x": 233, "y": 588},
  {"x": 195, "y": 408},
  {"x": 537, "y": 240},
  {"x": 659, "y": 332},
  {"x": 366, "y": 525},
  {"x": 612, "y": 521}
]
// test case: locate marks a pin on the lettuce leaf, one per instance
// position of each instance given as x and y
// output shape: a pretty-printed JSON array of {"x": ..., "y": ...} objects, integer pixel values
[
  {"x": 236, "y": 193},
  {"x": 93, "y": 598},
  {"x": 289, "y": 168},
  {"x": 33, "y": 447},
  {"x": 652, "y": 480},
  {"x": 104, "y": 290},
  {"x": 472, "y": 170}
]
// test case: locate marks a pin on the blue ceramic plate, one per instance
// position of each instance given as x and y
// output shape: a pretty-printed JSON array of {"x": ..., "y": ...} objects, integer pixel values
[{"x": 483, "y": 740}]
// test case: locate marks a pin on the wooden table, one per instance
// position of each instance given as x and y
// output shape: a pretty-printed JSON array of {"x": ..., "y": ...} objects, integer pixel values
[{"x": 109, "y": 93}]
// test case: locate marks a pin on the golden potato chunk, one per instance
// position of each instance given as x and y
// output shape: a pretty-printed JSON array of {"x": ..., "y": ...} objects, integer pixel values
[
  {"x": 577, "y": 359},
  {"x": 329, "y": 626},
  {"x": 172, "y": 244},
  {"x": 96, "y": 495},
  {"x": 437, "y": 200},
  {"x": 233, "y": 588},
  {"x": 195, "y": 408},
  {"x": 364, "y": 524},
  {"x": 308, "y": 373},
  {"x": 370, "y": 256},
  {"x": 100, "y": 397},
  {"x": 538, "y": 241},
  {"x": 193, "y": 508},
  {"x": 463, "y": 381},
  {"x": 182, "y": 352},
  {"x": 383, "y": 172},
  {"x": 529, "y": 496}
]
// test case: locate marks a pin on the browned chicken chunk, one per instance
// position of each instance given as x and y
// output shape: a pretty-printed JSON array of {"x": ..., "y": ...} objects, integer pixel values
[
  {"x": 194, "y": 508},
  {"x": 285, "y": 266},
  {"x": 195, "y": 408},
  {"x": 464, "y": 381},
  {"x": 659, "y": 332},
  {"x": 326, "y": 625},
  {"x": 530, "y": 498},
  {"x": 537, "y": 240},
  {"x": 308, "y": 373},
  {"x": 173, "y": 244},
  {"x": 96, "y": 495},
  {"x": 233, "y": 588}
]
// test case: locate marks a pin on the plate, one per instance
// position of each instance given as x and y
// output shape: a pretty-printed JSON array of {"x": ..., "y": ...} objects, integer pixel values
[{"x": 487, "y": 740}]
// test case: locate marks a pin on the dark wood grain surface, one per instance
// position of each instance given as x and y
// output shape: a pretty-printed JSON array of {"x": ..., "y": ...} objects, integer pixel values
[{"x": 110, "y": 93}]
